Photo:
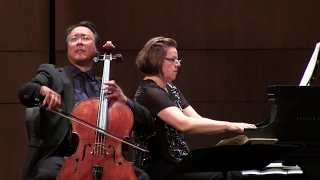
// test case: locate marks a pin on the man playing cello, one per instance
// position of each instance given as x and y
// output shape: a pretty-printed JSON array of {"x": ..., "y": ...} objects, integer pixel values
[{"x": 49, "y": 133}]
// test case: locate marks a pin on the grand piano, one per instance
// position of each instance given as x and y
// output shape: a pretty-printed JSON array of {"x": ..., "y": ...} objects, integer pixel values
[{"x": 294, "y": 119}]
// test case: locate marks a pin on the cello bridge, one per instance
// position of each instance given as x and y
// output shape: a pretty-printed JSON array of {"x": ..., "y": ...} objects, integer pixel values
[{"x": 99, "y": 150}]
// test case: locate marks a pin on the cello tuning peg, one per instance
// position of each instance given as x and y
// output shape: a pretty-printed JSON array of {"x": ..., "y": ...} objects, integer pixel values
[
  {"x": 117, "y": 57},
  {"x": 95, "y": 59},
  {"x": 108, "y": 46}
]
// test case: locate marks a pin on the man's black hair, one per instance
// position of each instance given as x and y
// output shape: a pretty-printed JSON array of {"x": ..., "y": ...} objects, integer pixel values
[{"x": 86, "y": 24}]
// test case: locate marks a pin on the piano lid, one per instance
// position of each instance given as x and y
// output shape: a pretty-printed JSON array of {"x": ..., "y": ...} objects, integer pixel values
[{"x": 310, "y": 71}]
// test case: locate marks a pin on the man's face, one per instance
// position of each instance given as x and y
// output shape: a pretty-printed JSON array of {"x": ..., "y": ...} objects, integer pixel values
[{"x": 81, "y": 45}]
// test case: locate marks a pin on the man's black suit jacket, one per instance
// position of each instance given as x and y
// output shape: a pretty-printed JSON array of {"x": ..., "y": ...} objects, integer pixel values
[{"x": 47, "y": 130}]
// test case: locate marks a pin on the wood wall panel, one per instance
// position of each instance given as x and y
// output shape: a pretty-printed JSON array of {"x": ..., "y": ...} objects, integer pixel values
[
  {"x": 24, "y": 25},
  {"x": 219, "y": 75},
  {"x": 206, "y": 24},
  {"x": 24, "y": 44},
  {"x": 13, "y": 138},
  {"x": 238, "y": 75},
  {"x": 16, "y": 69}
]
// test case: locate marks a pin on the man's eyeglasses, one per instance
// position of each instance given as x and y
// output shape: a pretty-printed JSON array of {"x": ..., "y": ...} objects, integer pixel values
[
  {"x": 84, "y": 38},
  {"x": 174, "y": 61}
]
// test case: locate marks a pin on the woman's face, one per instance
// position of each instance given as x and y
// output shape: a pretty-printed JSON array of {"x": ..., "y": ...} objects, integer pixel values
[{"x": 170, "y": 64}]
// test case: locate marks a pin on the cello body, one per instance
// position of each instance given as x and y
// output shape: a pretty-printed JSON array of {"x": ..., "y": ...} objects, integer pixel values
[{"x": 99, "y": 156}]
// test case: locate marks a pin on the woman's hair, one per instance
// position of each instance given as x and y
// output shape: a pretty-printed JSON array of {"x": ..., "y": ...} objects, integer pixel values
[
  {"x": 86, "y": 24},
  {"x": 149, "y": 60}
]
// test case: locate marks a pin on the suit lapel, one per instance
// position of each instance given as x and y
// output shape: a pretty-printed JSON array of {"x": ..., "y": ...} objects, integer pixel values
[{"x": 67, "y": 79}]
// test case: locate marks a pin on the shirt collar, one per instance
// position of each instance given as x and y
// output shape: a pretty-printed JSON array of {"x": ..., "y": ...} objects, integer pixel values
[{"x": 76, "y": 71}]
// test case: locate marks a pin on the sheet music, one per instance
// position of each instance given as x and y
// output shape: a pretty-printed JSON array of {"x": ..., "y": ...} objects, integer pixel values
[{"x": 305, "y": 81}]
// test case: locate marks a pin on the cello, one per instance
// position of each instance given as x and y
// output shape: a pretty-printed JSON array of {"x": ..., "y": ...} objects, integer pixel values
[{"x": 99, "y": 138}]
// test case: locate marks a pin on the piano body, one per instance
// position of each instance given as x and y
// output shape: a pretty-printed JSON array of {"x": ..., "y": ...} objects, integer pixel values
[{"x": 294, "y": 119}]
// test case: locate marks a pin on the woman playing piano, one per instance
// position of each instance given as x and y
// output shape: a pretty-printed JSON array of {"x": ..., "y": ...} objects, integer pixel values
[{"x": 158, "y": 60}]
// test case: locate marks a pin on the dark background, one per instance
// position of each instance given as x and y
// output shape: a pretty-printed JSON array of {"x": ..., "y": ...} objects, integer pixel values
[{"x": 230, "y": 50}]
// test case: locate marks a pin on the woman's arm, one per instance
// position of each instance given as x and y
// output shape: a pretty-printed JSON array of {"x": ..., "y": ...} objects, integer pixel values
[
  {"x": 190, "y": 112},
  {"x": 174, "y": 117},
  {"x": 159, "y": 103}
]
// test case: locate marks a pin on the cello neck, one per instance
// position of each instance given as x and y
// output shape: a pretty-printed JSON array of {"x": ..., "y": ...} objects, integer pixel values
[{"x": 102, "y": 118}]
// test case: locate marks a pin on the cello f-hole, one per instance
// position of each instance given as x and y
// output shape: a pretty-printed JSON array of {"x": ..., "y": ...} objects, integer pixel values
[
  {"x": 83, "y": 155},
  {"x": 114, "y": 156}
]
